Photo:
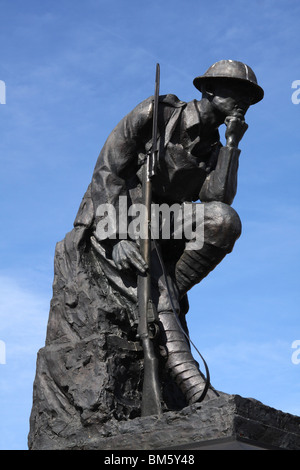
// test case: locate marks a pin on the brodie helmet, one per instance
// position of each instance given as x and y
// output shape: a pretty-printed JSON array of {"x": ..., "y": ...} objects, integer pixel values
[{"x": 233, "y": 70}]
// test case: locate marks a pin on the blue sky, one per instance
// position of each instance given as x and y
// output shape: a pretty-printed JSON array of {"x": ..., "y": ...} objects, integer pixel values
[{"x": 72, "y": 70}]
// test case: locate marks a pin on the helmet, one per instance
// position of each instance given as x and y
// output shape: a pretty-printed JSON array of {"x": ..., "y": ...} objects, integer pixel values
[{"x": 233, "y": 70}]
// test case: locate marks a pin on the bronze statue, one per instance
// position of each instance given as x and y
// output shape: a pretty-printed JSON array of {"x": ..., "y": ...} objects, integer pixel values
[{"x": 95, "y": 294}]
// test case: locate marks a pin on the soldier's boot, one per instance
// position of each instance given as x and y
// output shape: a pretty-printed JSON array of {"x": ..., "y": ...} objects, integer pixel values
[{"x": 179, "y": 360}]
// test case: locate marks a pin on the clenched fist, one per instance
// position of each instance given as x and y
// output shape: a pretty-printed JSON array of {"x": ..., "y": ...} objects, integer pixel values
[{"x": 236, "y": 128}]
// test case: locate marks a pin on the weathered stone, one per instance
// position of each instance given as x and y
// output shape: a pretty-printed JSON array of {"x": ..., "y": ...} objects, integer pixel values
[{"x": 228, "y": 421}]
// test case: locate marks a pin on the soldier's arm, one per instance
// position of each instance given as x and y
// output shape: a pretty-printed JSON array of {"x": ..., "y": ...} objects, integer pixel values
[
  {"x": 221, "y": 183},
  {"x": 118, "y": 159},
  {"x": 114, "y": 175}
]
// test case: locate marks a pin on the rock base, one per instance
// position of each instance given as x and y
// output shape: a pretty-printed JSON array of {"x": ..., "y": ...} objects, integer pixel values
[{"x": 226, "y": 422}]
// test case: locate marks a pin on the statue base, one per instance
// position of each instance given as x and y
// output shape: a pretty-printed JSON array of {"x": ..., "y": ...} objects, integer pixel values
[{"x": 227, "y": 422}]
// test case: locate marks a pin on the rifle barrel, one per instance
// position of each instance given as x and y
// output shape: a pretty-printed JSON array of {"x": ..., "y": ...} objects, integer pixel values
[{"x": 151, "y": 400}]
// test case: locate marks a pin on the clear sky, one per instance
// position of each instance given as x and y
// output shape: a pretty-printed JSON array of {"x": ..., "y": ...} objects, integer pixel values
[{"x": 72, "y": 70}]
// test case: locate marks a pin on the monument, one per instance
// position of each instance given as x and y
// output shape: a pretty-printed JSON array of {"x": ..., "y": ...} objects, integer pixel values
[{"x": 155, "y": 220}]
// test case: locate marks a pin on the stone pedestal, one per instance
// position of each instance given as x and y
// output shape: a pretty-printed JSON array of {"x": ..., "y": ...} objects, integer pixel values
[{"x": 227, "y": 422}]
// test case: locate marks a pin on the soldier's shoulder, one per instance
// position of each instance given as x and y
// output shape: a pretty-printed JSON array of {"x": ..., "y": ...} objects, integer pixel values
[
  {"x": 172, "y": 100},
  {"x": 169, "y": 100}
]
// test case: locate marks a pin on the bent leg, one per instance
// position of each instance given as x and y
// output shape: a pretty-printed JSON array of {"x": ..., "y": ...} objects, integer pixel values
[{"x": 222, "y": 227}]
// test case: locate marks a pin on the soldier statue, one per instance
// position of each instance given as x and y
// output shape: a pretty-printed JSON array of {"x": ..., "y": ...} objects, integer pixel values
[{"x": 193, "y": 168}]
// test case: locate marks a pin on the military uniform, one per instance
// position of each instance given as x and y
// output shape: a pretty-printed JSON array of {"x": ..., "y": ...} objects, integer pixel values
[{"x": 193, "y": 166}]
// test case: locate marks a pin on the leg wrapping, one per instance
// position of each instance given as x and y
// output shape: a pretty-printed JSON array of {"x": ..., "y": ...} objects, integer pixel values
[{"x": 179, "y": 360}]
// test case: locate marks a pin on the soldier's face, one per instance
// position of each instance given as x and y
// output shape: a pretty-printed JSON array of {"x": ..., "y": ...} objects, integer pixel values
[{"x": 231, "y": 99}]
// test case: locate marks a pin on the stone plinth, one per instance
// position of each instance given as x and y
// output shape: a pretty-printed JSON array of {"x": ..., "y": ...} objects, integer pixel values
[{"x": 226, "y": 422}]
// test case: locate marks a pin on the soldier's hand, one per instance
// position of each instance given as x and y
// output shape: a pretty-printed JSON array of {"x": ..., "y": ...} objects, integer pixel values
[
  {"x": 236, "y": 128},
  {"x": 126, "y": 256}
]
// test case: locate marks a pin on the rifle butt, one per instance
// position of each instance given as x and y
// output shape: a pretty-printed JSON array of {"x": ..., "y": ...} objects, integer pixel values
[{"x": 151, "y": 398}]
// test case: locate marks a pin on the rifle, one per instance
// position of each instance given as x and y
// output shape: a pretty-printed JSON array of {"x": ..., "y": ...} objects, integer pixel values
[{"x": 147, "y": 328}]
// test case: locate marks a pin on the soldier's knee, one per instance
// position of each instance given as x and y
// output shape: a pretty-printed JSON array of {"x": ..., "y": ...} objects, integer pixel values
[{"x": 222, "y": 225}]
